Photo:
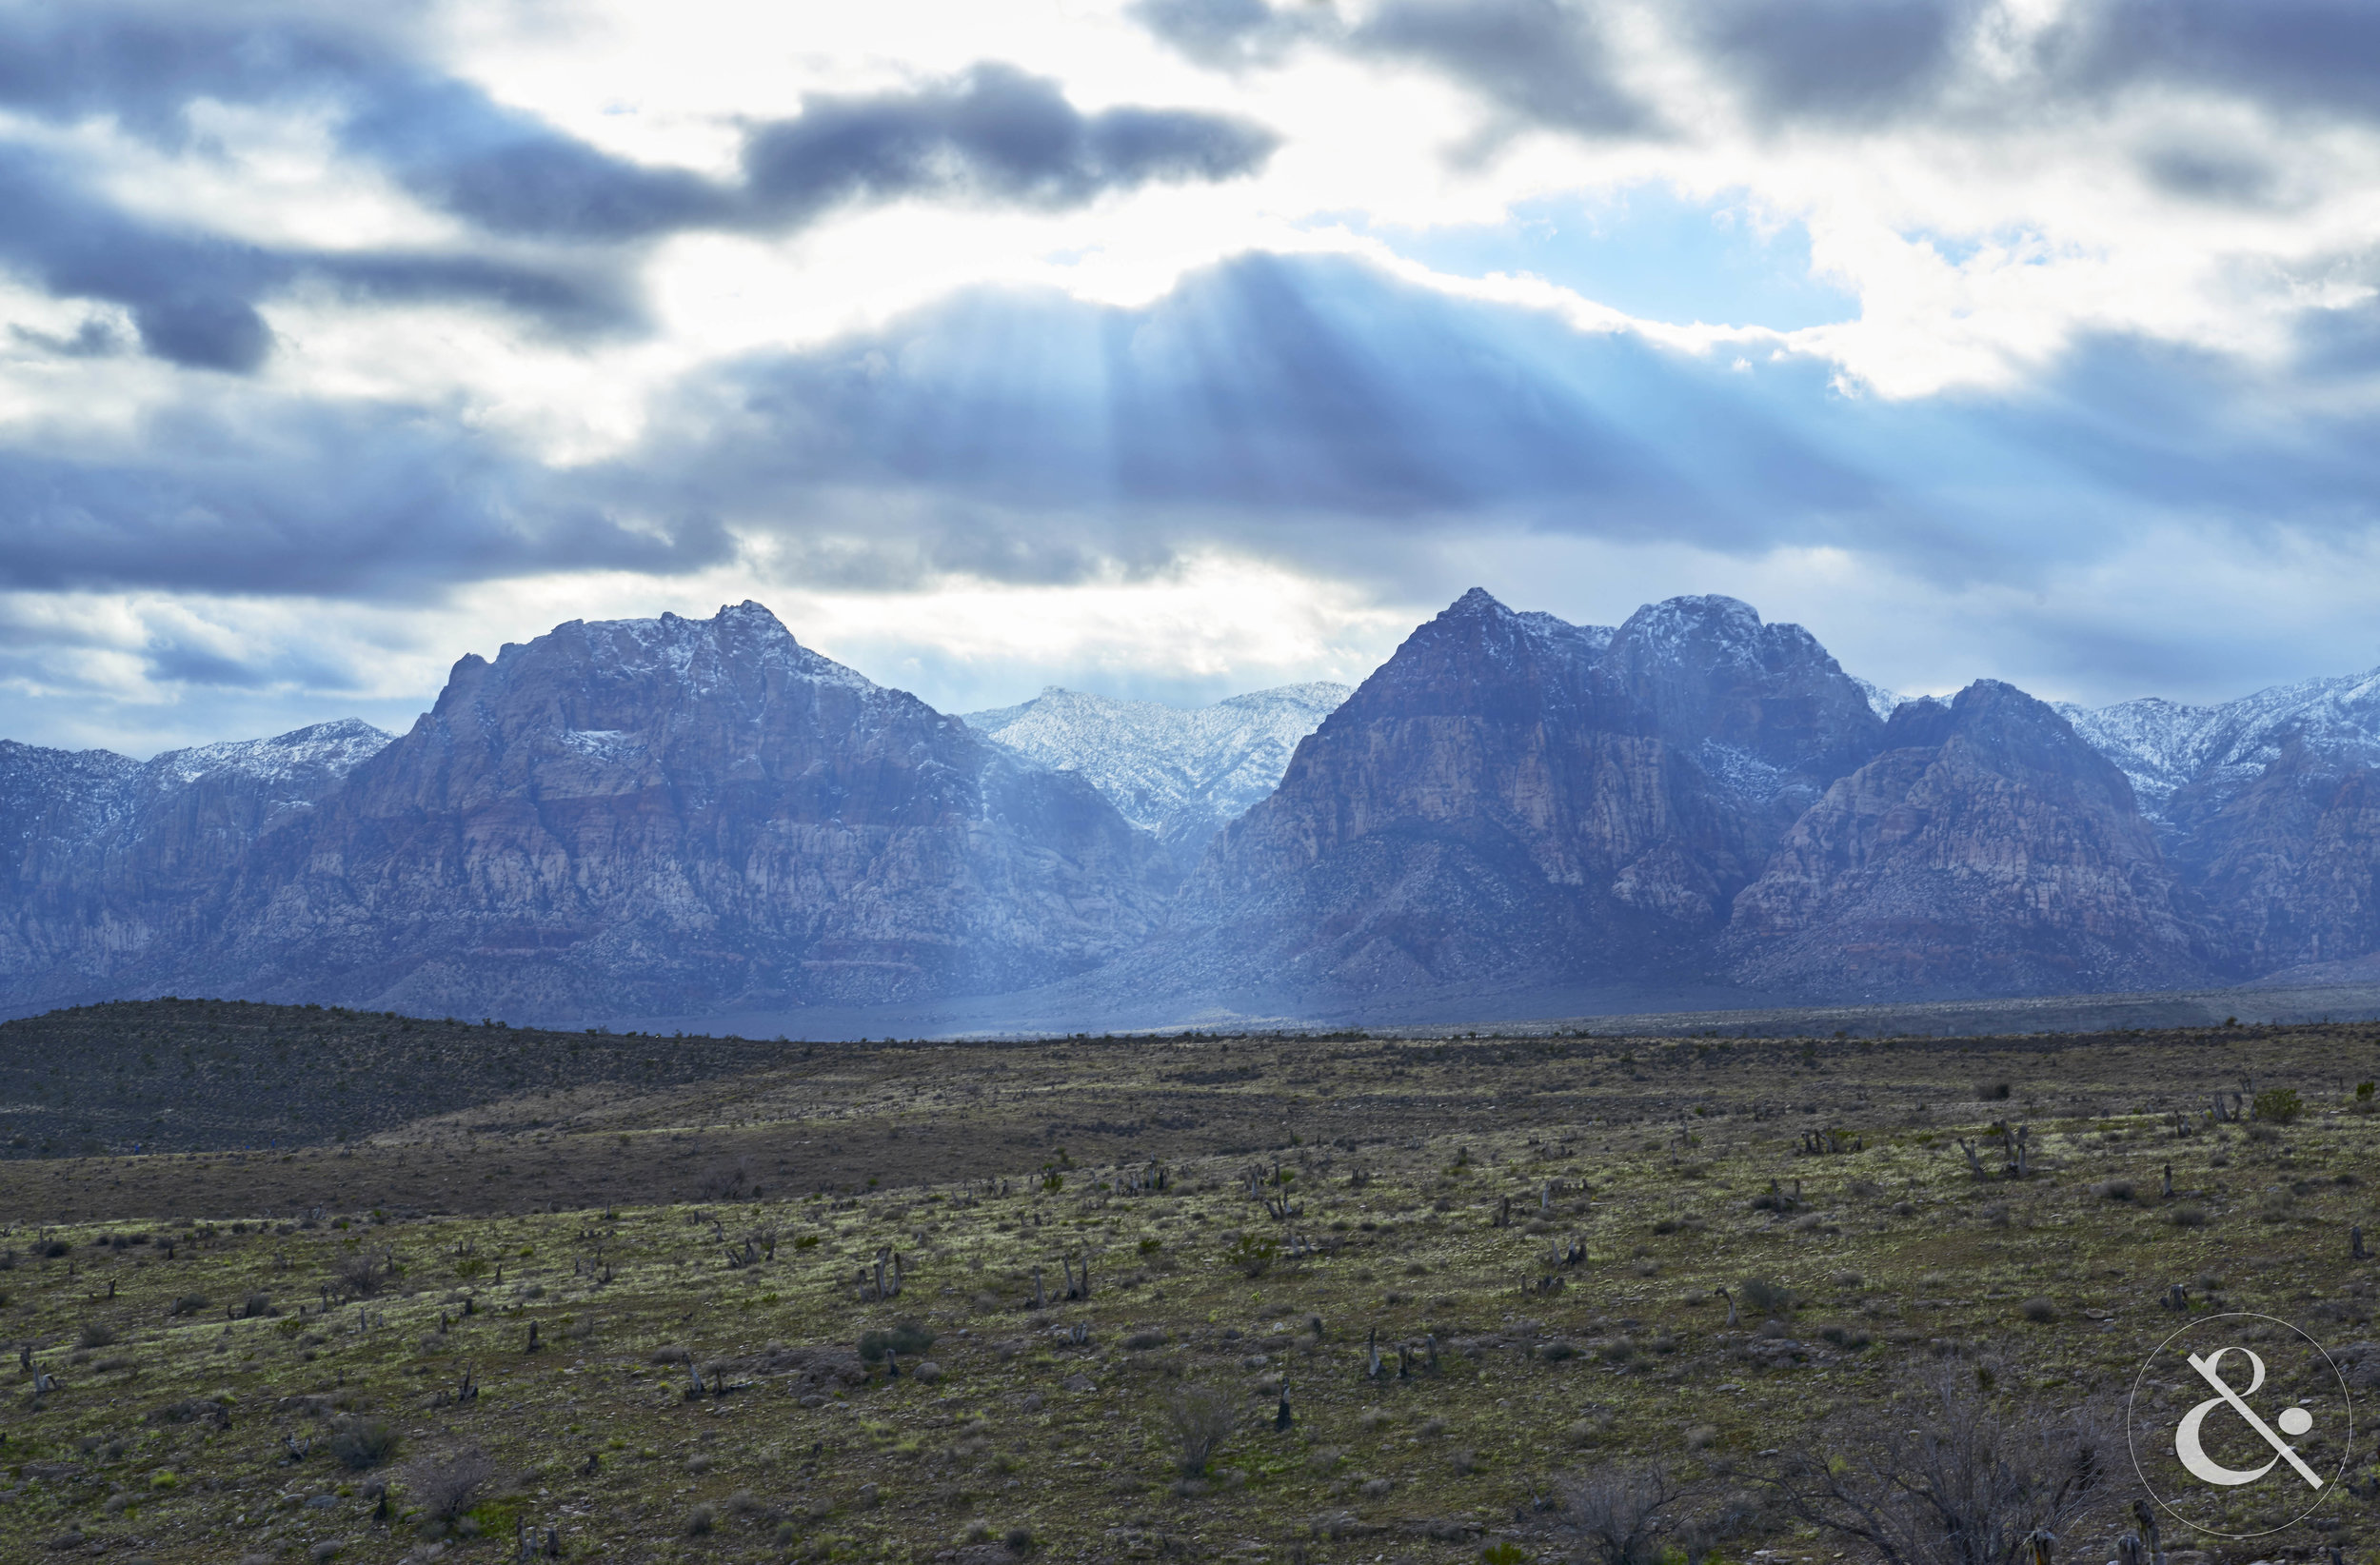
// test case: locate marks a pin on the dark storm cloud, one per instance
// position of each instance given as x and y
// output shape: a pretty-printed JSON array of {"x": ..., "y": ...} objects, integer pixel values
[
  {"x": 193, "y": 296},
  {"x": 994, "y": 131},
  {"x": 510, "y": 174},
  {"x": 1545, "y": 62},
  {"x": 990, "y": 134},
  {"x": 143, "y": 64},
  {"x": 266, "y": 496},
  {"x": 1549, "y": 61},
  {"x": 2210, "y": 174},
  {"x": 1536, "y": 60},
  {"x": 2290, "y": 56},
  {"x": 93, "y": 339},
  {"x": 1226, "y": 32},
  {"x": 1832, "y": 59}
]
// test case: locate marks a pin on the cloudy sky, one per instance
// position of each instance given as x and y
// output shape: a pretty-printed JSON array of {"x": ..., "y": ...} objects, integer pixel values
[{"x": 1176, "y": 348}]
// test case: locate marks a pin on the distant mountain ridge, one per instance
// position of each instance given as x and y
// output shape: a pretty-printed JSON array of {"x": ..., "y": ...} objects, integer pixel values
[
  {"x": 684, "y": 818},
  {"x": 2165, "y": 746},
  {"x": 1179, "y": 773}
]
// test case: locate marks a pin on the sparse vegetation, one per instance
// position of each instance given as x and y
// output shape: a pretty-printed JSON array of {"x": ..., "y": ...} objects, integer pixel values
[{"x": 1500, "y": 1273}]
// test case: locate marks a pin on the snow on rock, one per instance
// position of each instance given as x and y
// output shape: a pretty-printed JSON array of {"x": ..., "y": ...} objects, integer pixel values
[
  {"x": 1882, "y": 701},
  {"x": 1178, "y": 772},
  {"x": 2164, "y": 746}
]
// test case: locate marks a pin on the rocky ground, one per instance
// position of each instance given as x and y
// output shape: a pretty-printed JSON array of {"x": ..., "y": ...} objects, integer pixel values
[{"x": 459, "y": 1332}]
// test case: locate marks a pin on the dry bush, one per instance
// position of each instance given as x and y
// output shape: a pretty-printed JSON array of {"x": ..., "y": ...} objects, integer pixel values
[
  {"x": 1199, "y": 1418},
  {"x": 363, "y": 1443},
  {"x": 1762, "y": 1297},
  {"x": 1950, "y": 1477},
  {"x": 445, "y": 1486},
  {"x": 1624, "y": 1515}
]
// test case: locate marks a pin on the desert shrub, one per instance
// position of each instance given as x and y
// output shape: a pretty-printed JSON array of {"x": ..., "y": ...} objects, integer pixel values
[
  {"x": 1994, "y": 1092},
  {"x": 701, "y": 1521},
  {"x": 1199, "y": 1418},
  {"x": 1590, "y": 1429},
  {"x": 189, "y": 1304},
  {"x": 906, "y": 1338},
  {"x": 1253, "y": 1255},
  {"x": 1952, "y": 1478},
  {"x": 1377, "y": 1488},
  {"x": 2039, "y": 1308},
  {"x": 2115, "y": 1190},
  {"x": 360, "y": 1273},
  {"x": 2365, "y": 1101},
  {"x": 446, "y": 1487},
  {"x": 363, "y": 1443},
  {"x": 2186, "y": 1217},
  {"x": 727, "y": 1180},
  {"x": 1020, "y": 1540},
  {"x": 2261, "y": 1132},
  {"x": 1623, "y": 1515},
  {"x": 1766, "y": 1297},
  {"x": 94, "y": 1335},
  {"x": 2277, "y": 1105},
  {"x": 1143, "y": 1341},
  {"x": 1849, "y": 1338}
]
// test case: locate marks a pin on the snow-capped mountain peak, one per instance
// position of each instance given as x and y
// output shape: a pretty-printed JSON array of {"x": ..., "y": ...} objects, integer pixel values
[
  {"x": 2164, "y": 746},
  {"x": 1181, "y": 773}
]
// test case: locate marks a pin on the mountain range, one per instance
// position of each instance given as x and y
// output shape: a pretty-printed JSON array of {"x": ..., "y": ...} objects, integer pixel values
[{"x": 688, "y": 818}]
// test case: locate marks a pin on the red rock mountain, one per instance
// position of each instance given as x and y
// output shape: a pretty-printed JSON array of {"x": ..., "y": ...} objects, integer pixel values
[
  {"x": 665, "y": 817},
  {"x": 673, "y": 817}
]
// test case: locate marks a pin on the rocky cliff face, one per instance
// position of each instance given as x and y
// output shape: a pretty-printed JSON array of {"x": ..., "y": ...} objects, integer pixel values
[
  {"x": 1515, "y": 799},
  {"x": 2287, "y": 867},
  {"x": 646, "y": 816},
  {"x": 655, "y": 816},
  {"x": 1771, "y": 717},
  {"x": 1986, "y": 850}
]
